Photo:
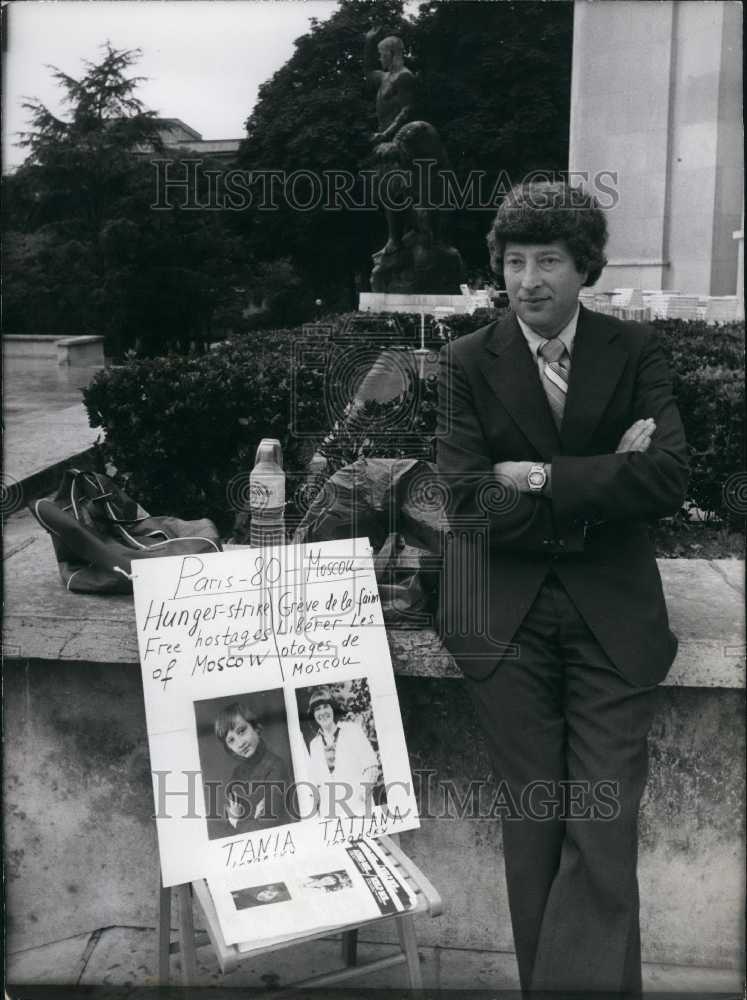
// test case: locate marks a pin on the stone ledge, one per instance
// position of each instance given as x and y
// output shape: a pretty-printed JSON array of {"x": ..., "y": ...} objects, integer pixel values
[
  {"x": 43, "y": 481},
  {"x": 41, "y": 345},
  {"x": 41, "y": 445},
  {"x": 81, "y": 351},
  {"x": 393, "y": 302},
  {"x": 45, "y": 622},
  {"x": 88, "y": 338},
  {"x": 32, "y": 338},
  {"x": 67, "y": 349}
]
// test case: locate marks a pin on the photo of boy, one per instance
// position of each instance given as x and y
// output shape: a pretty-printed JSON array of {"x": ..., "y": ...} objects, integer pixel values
[{"x": 245, "y": 757}]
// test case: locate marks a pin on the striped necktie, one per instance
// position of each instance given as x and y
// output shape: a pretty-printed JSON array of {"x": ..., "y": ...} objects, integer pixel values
[{"x": 555, "y": 376}]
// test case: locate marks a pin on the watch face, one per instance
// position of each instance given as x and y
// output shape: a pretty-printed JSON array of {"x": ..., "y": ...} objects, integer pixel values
[{"x": 537, "y": 478}]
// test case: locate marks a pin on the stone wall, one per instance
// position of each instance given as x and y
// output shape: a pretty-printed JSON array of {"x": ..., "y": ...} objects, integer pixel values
[{"x": 81, "y": 845}]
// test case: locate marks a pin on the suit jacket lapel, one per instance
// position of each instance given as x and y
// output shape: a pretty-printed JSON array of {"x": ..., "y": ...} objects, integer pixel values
[
  {"x": 596, "y": 367},
  {"x": 512, "y": 373}
]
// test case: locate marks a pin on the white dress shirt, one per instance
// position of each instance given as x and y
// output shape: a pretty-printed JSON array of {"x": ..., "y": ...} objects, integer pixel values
[{"x": 535, "y": 341}]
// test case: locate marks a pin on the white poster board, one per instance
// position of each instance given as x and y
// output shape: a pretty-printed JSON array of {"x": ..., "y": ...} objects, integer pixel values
[
  {"x": 333, "y": 887},
  {"x": 271, "y": 709}
]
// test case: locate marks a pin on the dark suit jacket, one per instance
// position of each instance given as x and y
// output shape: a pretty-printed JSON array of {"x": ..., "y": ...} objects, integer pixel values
[{"x": 592, "y": 531}]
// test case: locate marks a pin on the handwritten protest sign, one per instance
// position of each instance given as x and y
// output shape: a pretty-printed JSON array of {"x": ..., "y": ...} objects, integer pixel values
[
  {"x": 324, "y": 890},
  {"x": 272, "y": 713}
]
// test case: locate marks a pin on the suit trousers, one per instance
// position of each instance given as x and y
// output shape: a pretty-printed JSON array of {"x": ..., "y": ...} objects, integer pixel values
[{"x": 559, "y": 715}]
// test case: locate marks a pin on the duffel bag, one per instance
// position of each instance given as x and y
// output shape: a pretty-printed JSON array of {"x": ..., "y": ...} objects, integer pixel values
[{"x": 97, "y": 531}]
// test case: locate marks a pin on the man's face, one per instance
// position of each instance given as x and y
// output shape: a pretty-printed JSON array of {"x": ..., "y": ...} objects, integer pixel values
[
  {"x": 242, "y": 737},
  {"x": 542, "y": 284}
]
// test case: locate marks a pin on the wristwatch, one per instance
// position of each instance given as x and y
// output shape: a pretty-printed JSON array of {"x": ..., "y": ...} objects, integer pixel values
[{"x": 536, "y": 478}]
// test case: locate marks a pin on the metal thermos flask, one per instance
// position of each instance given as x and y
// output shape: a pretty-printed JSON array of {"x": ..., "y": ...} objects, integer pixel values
[{"x": 267, "y": 495}]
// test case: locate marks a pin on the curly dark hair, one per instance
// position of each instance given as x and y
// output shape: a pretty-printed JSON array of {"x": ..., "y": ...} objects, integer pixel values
[{"x": 545, "y": 211}]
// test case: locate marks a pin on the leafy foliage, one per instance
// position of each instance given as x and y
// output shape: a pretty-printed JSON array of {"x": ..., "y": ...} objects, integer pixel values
[
  {"x": 494, "y": 80},
  {"x": 87, "y": 253},
  {"x": 183, "y": 431},
  {"x": 78, "y": 169},
  {"x": 315, "y": 114},
  {"x": 364, "y": 433},
  {"x": 707, "y": 366}
]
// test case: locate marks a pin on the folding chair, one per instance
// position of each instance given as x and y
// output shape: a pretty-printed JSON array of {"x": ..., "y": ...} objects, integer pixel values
[{"x": 230, "y": 955}]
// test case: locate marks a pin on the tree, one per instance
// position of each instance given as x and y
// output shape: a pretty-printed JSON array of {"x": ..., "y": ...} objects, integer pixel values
[
  {"x": 315, "y": 114},
  {"x": 91, "y": 255},
  {"x": 78, "y": 168},
  {"x": 494, "y": 79}
]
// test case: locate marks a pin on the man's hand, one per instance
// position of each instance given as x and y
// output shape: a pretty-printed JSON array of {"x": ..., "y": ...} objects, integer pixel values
[
  {"x": 513, "y": 472},
  {"x": 637, "y": 437}
]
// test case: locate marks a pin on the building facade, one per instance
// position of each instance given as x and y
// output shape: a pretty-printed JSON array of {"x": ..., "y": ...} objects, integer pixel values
[{"x": 656, "y": 111}]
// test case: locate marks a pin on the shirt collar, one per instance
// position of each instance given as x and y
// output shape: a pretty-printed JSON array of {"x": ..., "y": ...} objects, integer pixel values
[{"x": 566, "y": 335}]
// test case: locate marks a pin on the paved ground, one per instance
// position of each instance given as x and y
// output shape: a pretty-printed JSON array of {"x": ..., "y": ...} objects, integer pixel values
[
  {"x": 41, "y": 386},
  {"x": 126, "y": 956},
  {"x": 45, "y": 424}
]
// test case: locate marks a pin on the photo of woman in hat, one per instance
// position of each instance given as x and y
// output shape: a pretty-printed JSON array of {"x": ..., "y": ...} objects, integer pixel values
[
  {"x": 329, "y": 882},
  {"x": 340, "y": 752}
]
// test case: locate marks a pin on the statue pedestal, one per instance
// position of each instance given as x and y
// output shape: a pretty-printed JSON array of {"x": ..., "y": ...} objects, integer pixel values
[
  {"x": 439, "y": 306},
  {"x": 433, "y": 304}
]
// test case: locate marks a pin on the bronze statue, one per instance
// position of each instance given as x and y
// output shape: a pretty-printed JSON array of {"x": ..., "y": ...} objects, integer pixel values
[{"x": 409, "y": 158}]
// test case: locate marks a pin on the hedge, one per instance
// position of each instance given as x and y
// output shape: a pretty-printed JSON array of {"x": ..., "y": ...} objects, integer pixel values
[
  {"x": 405, "y": 327},
  {"x": 182, "y": 431},
  {"x": 707, "y": 365}
]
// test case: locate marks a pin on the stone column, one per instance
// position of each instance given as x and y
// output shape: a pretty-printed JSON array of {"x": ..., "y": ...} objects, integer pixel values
[
  {"x": 656, "y": 101},
  {"x": 738, "y": 235}
]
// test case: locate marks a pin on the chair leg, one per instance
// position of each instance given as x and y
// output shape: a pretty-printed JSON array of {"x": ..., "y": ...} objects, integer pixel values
[
  {"x": 350, "y": 947},
  {"x": 164, "y": 935},
  {"x": 409, "y": 945},
  {"x": 187, "y": 935}
]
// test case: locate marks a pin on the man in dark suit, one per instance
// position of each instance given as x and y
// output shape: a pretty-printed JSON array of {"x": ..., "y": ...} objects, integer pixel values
[{"x": 558, "y": 440}]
